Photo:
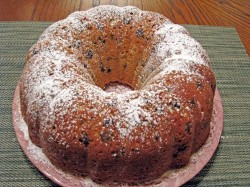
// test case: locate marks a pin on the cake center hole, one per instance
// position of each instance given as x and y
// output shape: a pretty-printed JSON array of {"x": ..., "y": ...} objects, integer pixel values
[{"x": 117, "y": 87}]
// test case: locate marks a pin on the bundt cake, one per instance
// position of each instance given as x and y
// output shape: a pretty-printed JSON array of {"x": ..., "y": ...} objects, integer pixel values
[{"x": 135, "y": 135}]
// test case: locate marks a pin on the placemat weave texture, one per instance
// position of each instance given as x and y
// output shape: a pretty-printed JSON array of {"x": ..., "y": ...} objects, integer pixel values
[{"x": 230, "y": 165}]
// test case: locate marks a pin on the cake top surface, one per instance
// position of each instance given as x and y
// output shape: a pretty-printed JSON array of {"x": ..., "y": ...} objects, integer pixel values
[{"x": 54, "y": 73}]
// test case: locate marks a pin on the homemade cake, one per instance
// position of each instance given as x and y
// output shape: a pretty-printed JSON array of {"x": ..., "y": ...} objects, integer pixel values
[{"x": 136, "y": 135}]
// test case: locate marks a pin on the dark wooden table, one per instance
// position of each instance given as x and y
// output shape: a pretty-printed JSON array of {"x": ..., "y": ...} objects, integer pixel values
[{"x": 228, "y": 13}]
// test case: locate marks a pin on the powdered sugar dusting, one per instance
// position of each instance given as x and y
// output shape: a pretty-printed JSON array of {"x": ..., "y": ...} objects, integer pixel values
[
  {"x": 132, "y": 112},
  {"x": 117, "y": 88},
  {"x": 37, "y": 153},
  {"x": 34, "y": 151},
  {"x": 22, "y": 125},
  {"x": 176, "y": 43}
]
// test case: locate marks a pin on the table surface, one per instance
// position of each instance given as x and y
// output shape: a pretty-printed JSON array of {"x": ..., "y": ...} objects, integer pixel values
[{"x": 228, "y": 13}]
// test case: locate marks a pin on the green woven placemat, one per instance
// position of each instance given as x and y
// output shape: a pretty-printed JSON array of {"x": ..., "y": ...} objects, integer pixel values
[{"x": 230, "y": 165}]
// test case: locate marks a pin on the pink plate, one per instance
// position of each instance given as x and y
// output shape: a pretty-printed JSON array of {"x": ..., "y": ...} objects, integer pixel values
[{"x": 176, "y": 177}]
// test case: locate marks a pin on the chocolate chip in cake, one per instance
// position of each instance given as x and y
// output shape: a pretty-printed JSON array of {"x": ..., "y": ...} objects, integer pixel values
[
  {"x": 153, "y": 49},
  {"x": 126, "y": 21},
  {"x": 89, "y": 54},
  {"x": 77, "y": 44},
  {"x": 108, "y": 121},
  {"x": 182, "y": 148},
  {"x": 156, "y": 137},
  {"x": 192, "y": 102},
  {"x": 102, "y": 39},
  {"x": 177, "y": 104},
  {"x": 125, "y": 66},
  {"x": 199, "y": 85},
  {"x": 85, "y": 139},
  {"x": 108, "y": 70},
  {"x": 102, "y": 69},
  {"x": 85, "y": 65},
  {"x": 140, "y": 33}
]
